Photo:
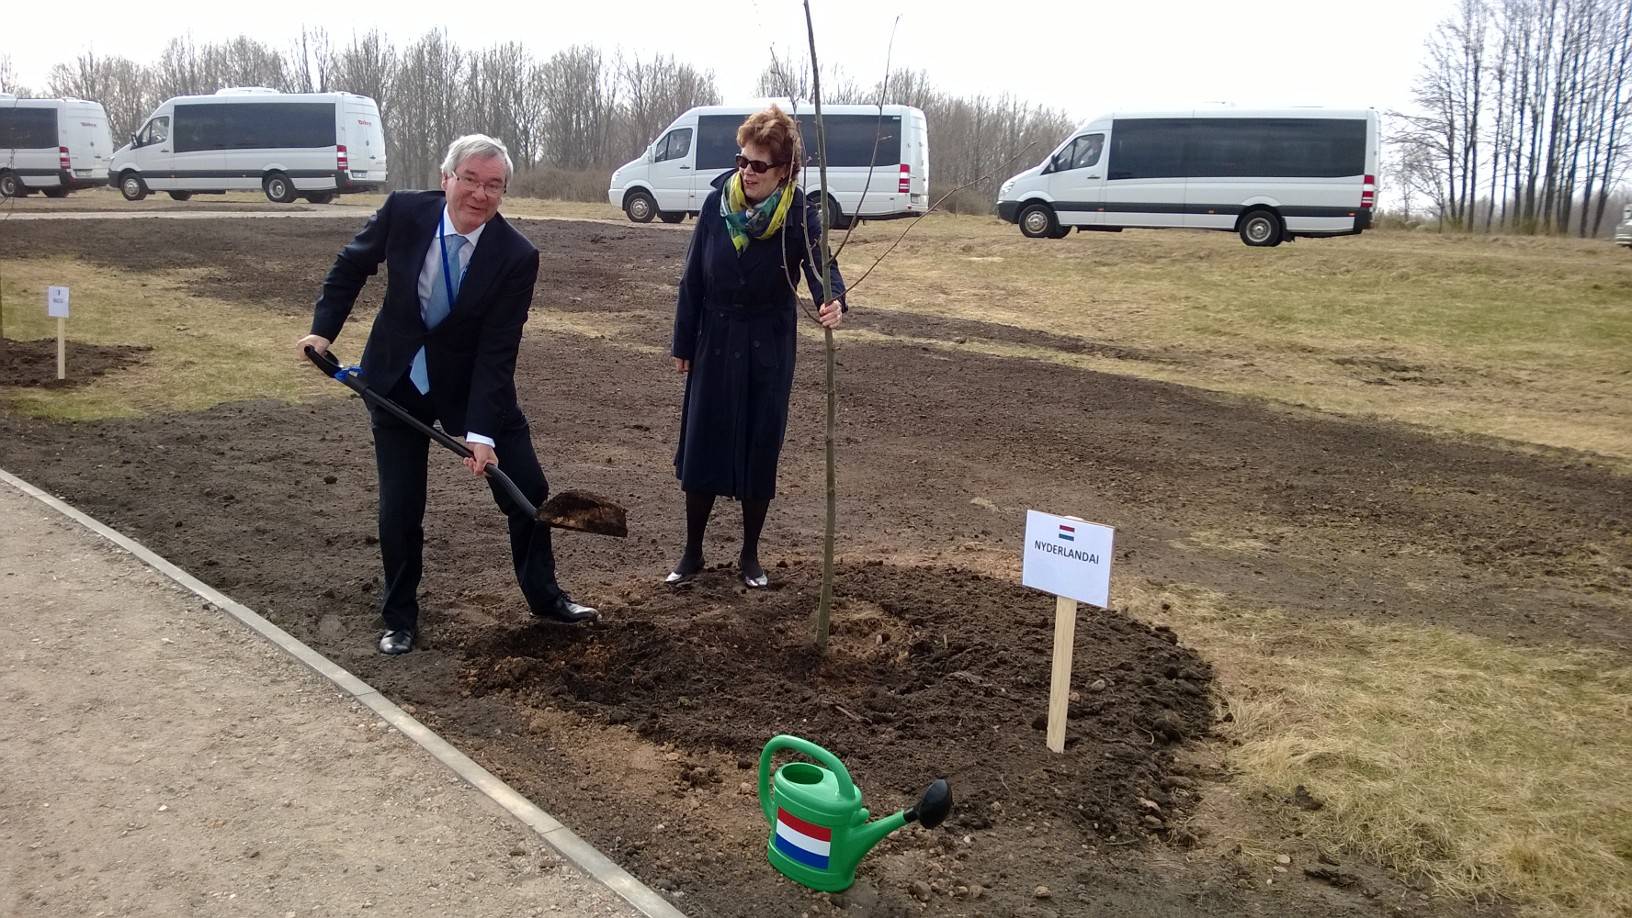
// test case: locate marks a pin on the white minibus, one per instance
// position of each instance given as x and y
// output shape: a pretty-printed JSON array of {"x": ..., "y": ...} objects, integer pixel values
[
  {"x": 877, "y": 162},
  {"x": 52, "y": 146},
  {"x": 289, "y": 145},
  {"x": 1269, "y": 175}
]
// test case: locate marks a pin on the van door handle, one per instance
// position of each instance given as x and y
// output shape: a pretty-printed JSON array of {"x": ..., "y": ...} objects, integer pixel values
[
  {"x": 685, "y": 167},
  {"x": 1091, "y": 176}
]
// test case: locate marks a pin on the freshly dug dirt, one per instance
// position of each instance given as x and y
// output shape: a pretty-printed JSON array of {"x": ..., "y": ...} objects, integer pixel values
[{"x": 33, "y": 364}]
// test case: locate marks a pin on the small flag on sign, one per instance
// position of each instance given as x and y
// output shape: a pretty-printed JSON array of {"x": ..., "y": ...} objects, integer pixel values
[
  {"x": 804, "y": 842},
  {"x": 1068, "y": 533}
]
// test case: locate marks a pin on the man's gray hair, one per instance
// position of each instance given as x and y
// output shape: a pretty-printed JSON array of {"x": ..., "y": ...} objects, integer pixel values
[{"x": 480, "y": 146}]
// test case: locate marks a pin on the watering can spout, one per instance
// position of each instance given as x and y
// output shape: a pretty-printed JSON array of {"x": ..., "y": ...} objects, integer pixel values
[
  {"x": 929, "y": 812},
  {"x": 872, "y": 833}
]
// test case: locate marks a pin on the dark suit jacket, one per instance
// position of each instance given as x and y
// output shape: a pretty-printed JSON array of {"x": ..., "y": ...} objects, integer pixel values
[{"x": 471, "y": 357}]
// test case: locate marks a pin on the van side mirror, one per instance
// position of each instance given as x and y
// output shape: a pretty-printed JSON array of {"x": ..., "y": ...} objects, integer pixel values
[{"x": 133, "y": 142}]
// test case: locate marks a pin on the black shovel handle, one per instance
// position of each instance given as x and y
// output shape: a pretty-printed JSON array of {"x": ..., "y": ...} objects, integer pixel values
[{"x": 352, "y": 381}]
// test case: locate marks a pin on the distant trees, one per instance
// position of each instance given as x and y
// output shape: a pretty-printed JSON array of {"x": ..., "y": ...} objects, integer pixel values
[
  {"x": 120, "y": 84},
  {"x": 8, "y": 78},
  {"x": 655, "y": 91},
  {"x": 1522, "y": 115},
  {"x": 578, "y": 112}
]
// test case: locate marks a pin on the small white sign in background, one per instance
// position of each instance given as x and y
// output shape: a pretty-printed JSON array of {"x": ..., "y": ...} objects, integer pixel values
[
  {"x": 1068, "y": 557},
  {"x": 56, "y": 302}
]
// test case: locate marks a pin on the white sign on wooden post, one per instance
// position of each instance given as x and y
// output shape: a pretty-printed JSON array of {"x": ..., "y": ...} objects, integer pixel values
[
  {"x": 56, "y": 306},
  {"x": 1070, "y": 558},
  {"x": 56, "y": 302}
]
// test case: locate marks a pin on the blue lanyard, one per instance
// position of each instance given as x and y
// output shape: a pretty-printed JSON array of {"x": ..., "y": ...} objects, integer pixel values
[{"x": 447, "y": 277}]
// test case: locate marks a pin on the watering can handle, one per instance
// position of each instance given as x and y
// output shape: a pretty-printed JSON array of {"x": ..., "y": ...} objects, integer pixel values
[{"x": 804, "y": 747}]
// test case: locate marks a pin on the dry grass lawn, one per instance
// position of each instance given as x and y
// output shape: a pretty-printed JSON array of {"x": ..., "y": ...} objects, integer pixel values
[{"x": 1524, "y": 339}]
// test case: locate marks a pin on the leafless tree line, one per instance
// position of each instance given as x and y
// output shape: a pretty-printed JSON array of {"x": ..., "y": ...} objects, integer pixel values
[
  {"x": 8, "y": 78},
  {"x": 580, "y": 110},
  {"x": 1523, "y": 113}
]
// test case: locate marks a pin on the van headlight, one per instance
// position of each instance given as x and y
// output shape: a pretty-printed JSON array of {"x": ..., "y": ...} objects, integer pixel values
[{"x": 1007, "y": 187}]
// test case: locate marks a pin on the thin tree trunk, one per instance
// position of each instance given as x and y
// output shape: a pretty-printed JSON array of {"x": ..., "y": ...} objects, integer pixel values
[
  {"x": 1622, "y": 43},
  {"x": 1496, "y": 149},
  {"x": 825, "y": 605}
]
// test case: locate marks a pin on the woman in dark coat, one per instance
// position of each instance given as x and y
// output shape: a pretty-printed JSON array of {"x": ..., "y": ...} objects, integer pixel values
[{"x": 734, "y": 334}]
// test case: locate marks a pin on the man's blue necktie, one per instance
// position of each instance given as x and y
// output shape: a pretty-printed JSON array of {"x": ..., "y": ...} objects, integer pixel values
[{"x": 439, "y": 305}]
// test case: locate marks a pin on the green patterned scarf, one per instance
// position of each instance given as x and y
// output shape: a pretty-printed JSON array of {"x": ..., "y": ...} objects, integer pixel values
[{"x": 760, "y": 220}]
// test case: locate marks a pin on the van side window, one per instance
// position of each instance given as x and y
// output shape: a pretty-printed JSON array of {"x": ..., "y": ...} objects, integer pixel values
[
  {"x": 1086, "y": 151},
  {"x": 1303, "y": 148},
  {"x": 28, "y": 128},
  {"x": 158, "y": 131},
  {"x": 854, "y": 140},
  {"x": 1148, "y": 148},
  {"x": 254, "y": 126},
  {"x": 674, "y": 146}
]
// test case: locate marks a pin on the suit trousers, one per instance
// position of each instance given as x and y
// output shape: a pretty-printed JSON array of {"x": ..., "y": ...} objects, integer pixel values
[{"x": 400, "y": 455}]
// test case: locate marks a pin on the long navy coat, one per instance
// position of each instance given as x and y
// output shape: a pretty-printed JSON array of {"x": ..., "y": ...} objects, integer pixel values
[{"x": 735, "y": 321}]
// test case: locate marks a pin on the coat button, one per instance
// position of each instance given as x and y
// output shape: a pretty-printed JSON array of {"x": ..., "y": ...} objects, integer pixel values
[
  {"x": 736, "y": 355},
  {"x": 756, "y": 344}
]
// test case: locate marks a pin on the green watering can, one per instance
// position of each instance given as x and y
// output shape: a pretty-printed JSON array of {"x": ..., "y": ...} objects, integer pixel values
[{"x": 819, "y": 829}]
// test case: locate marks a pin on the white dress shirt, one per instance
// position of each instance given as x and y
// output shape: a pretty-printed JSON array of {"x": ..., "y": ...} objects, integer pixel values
[{"x": 431, "y": 275}]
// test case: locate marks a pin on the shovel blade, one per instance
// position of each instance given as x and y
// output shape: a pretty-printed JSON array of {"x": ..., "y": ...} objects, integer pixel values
[{"x": 583, "y": 511}]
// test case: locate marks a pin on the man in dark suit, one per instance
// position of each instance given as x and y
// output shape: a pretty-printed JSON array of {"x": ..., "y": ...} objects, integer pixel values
[{"x": 459, "y": 284}]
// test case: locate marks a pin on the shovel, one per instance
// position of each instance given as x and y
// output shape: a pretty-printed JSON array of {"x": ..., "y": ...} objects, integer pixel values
[{"x": 580, "y": 511}]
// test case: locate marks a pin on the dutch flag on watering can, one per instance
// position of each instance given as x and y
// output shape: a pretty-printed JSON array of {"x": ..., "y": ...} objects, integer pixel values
[
  {"x": 1068, "y": 533},
  {"x": 803, "y": 842}
]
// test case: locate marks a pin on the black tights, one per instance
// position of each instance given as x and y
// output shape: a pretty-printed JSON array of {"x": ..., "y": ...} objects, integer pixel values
[{"x": 698, "y": 508}]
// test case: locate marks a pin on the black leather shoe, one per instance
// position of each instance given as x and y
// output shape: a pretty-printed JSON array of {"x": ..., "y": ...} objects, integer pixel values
[
  {"x": 565, "y": 610},
  {"x": 395, "y": 642}
]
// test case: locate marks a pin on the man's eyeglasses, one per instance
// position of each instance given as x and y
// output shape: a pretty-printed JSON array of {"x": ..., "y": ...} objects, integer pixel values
[
  {"x": 493, "y": 189},
  {"x": 758, "y": 165}
]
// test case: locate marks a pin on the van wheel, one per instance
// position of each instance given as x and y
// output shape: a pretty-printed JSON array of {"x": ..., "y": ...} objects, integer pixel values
[
  {"x": 320, "y": 197},
  {"x": 10, "y": 185},
  {"x": 132, "y": 186},
  {"x": 671, "y": 216},
  {"x": 640, "y": 207},
  {"x": 1060, "y": 233},
  {"x": 56, "y": 192},
  {"x": 834, "y": 215},
  {"x": 1037, "y": 221},
  {"x": 1261, "y": 228},
  {"x": 278, "y": 188},
  {"x": 180, "y": 195}
]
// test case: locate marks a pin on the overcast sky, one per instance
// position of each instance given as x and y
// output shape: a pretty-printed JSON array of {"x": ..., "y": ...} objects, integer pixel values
[{"x": 1085, "y": 58}]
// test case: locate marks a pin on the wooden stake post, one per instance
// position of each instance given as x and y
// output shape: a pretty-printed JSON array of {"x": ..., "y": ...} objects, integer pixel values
[
  {"x": 1059, "y": 685},
  {"x": 1070, "y": 558},
  {"x": 56, "y": 305}
]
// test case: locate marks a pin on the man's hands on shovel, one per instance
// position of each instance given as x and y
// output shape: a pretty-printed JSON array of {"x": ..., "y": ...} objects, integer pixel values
[
  {"x": 315, "y": 342},
  {"x": 481, "y": 455}
]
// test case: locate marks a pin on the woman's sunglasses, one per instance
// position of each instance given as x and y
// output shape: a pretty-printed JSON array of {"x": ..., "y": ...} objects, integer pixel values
[{"x": 758, "y": 165}]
